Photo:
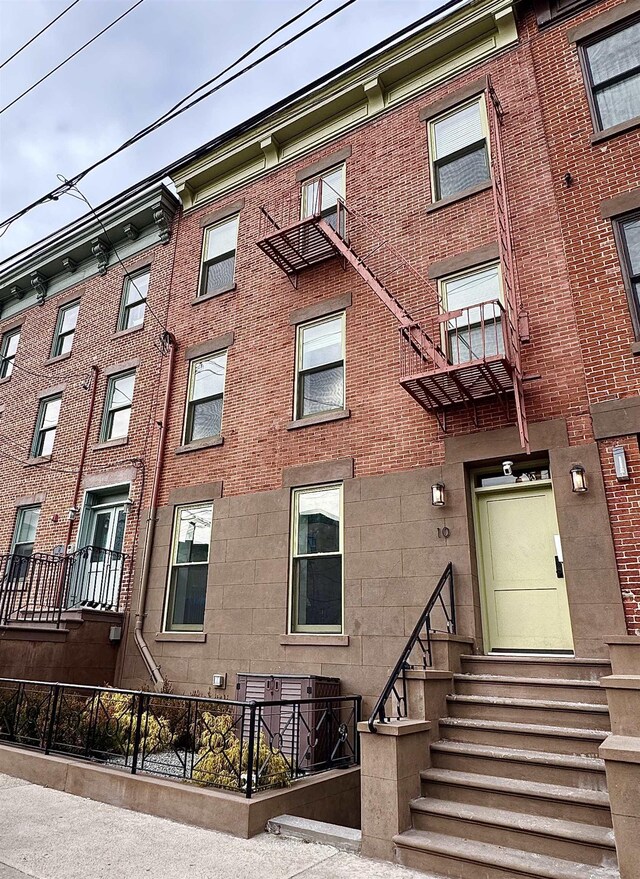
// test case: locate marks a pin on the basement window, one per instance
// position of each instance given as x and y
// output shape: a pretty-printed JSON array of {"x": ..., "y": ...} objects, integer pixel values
[
  {"x": 65, "y": 329},
  {"x": 134, "y": 301},
  {"x": 10, "y": 342},
  {"x": 117, "y": 408},
  {"x": 612, "y": 68},
  {"x": 458, "y": 146},
  {"x": 46, "y": 426},
  {"x": 189, "y": 566},
  {"x": 320, "y": 366},
  {"x": 219, "y": 257},
  {"x": 205, "y": 397}
]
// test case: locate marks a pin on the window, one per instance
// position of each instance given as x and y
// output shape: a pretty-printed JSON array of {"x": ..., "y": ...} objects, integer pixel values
[
  {"x": 25, "y": 533},
  {"x": 117, "y": 408},
  {"x": 316, "y": 560},
  {"x": 219, "y": 256},
  {"x": 476, "y": 330},
  {"x": 205, "y": 397},
  {"x": 612, "y": 64},
  {"x": 65, "y": 329},
  {"x": 629, "y": 230},
  {"x": 322, "y": 194},
  {"x": 189, "y": 565},
  {"x": 458, "y": 149},
  {"x": 134, "y": 301},
  {"x": 320, "y": 367},
  {"x": 46, "y": 426},
  {"x": 10, "y": 343}
]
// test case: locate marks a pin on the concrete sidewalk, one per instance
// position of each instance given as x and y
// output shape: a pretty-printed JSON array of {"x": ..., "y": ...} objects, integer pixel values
[{"x": 52, "y": 835}]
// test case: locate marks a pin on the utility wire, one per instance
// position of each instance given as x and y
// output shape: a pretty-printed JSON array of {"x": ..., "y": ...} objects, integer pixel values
[
  {"x": 35, "y": 36},
  {"x": 55, "y": 194},
  {"x": 69, "y": 57}
]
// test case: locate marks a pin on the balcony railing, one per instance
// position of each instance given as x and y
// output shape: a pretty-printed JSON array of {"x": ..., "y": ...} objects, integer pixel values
[{"x": 39, "y": 587}]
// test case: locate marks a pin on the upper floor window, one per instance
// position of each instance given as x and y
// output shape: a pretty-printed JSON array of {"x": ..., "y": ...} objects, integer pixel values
[
  {"x": 117, "y": 408},
  {"x": 321, "y": 195},
  {"x": 475, "y": 332},
  {"x": 458, "y": 146},
  {"x": 187, "y": 588},
  {"x": 320, "y": 366},
  {"x": 46, "y": 426},
  {"x": 219, "y": 256},
  {"x": 65, "y": 329},
  {"x": 316, "y": 559},
  {"x": 629, "y": 230},
  {"x": 10, "y": 342},
  {"x": 612, "y": 64},
  {"x": 24, "y": 535},
  {"x": 205, "y": 397},
  {"x": 134, "y": 301}
]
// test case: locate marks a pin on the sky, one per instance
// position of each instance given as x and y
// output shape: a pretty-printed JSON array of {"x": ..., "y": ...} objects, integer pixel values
[{"x": 136, "y": 71}]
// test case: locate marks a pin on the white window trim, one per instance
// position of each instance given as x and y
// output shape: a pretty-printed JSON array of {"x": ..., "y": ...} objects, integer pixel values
[
  {"x": 307, "y": 184},
  {"x": 190, "y": 382},
  {"x": 205, "y": 236},
  {"x": 484, "y": 122},
  {"x": 298, "y": 363},
  {"x": 293, "y": 542},
  {"x": 172, "y": 563},
  {"x": 442, "y": 293}
]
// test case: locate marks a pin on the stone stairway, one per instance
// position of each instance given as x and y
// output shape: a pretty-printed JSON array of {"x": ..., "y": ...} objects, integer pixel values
[{"x": 515, "y": 787}]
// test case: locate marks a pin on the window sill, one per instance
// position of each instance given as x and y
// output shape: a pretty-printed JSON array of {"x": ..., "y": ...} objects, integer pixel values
[
  {"x": 4, "y": 380},
  {"x": 187, "y": 637},
  {"x": 208, "y": 442},
  {"x": 320, "y": 418},
  {"x": 120, "y": 333},
  {"x": 459, "y": 196},
  {"x": 306, "y": 639},
  {"x": 34, "y": 462},
  {"x": 111, "y": 444},
  {"x": 58, "y": 359},
  {"x": 622, "y": 128},
  {"x": 635, "y": 348},
  {"x": 214, "y": 294}
]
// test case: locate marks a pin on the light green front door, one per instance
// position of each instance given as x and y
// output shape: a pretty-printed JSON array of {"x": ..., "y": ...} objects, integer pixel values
[{"x": 525, "y": 601}]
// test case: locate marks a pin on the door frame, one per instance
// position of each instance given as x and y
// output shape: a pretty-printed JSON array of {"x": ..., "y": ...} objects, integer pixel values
[{"x": 476, "y": 493}]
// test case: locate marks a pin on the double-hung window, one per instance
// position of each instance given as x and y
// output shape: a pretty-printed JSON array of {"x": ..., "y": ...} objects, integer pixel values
[
  {"x": 205, "y": 397},
  {"x": 475, "y": 330},
  {"x": 65, "y": 329},
  {"x": 117, "y": 408},
  {"x": 187, "y": 588},
  {"x": 612, "y": 64},
  {"x": 219, "y": 256},
  {"x": 46, "y": 426},
  {"x": 322, "y": 194},
  {"x": 629, "y": 237},
  {"x": 24, "y": 535},
  {"x": 10, "y": 342},
  {"x": 134, "y": 301},
  {"x": 459, "y": 151},
  {"x": 316, "y": 559},
  {"x": 320, "y": 366}
]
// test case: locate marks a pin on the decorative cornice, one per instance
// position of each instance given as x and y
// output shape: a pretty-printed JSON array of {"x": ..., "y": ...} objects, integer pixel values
[
  {"x": 131, "y": 231},
  {"x": 40, "y": 284},
  {"x": 70, "y": 264},
  {"x": 163, "y": 218},
  {"x": 100, "y": 250}
]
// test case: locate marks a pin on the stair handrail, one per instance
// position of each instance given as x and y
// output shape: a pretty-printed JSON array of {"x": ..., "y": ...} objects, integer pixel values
[{"x": 416, "y": 638}]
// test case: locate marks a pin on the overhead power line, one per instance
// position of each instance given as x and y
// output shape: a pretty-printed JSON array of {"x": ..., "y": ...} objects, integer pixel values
[
  {"x": 55, "y": 194},
  {"x": 69, "y": 57},
  {"x": 40, "y": 32}
]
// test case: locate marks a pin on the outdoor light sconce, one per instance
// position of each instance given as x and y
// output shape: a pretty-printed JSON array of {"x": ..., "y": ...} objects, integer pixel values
[
  {"x": 578, "y": 478},
  {"x": 128, "y": 504},
  {"x": 437, "y": 494},
  {"x": 620, "y": 464}
]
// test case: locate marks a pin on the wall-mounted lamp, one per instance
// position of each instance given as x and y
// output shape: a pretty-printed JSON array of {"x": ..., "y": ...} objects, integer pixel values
[
  {"x": 437, "y": 494},
  {"x": 620, "y": 464},
  {"x": 72, "y": 513},
  {"x": 128, "y": 503},
  {"x": 578, "y": 478}
]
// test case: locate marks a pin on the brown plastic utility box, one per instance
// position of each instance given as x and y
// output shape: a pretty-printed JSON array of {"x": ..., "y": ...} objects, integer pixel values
[{"x": 306, "y": 734}]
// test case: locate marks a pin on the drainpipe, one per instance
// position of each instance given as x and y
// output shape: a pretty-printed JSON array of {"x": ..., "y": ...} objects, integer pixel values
[{"x": 143, "y": 647}]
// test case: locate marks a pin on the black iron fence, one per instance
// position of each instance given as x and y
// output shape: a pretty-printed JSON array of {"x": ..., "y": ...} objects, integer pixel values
[
  {"x": 38, "y": 588},
  {"x": 238, "y": 746}
]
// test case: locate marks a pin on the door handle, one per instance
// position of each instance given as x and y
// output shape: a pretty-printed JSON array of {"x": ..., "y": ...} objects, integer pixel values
[{"x": 559, "y": 568}]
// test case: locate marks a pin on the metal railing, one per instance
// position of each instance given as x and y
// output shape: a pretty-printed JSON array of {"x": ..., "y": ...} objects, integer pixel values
[
  {"x": 420, "y": 641},
  {"x": 239, "y": 746},
  {"x": 39, "y": 587}
]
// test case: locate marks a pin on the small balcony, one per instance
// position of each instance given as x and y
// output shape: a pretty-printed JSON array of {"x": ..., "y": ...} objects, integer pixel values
[
  {"x": 38, "y": 588},
  {"x": 478, "y": 358}
]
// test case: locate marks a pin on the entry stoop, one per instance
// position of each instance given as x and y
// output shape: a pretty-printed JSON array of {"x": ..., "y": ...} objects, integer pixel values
[{"x": 515, "y": 787}]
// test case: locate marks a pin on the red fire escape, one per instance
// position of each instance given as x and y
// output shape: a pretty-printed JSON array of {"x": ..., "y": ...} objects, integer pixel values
[{"x": 477, "y": 356}]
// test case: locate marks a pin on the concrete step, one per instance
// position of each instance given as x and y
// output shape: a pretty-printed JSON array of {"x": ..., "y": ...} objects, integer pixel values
[
  {"x": 344, "y": 838},
  {"x": 535, "y": 666},
  {"x": 531, "y": 737},
  {"x": 569, "y": 714},
  {"x": 554, "y": 837},
  {"x": 468, "y": 859},
  {"x": 549, "y": 800},
  {"x": 585, "y": 773},
  {"x": 552, "y": 689}
]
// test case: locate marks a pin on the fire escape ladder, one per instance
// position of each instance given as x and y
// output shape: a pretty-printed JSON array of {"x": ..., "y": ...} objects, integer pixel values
[{"x": 505, "y": 249}]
